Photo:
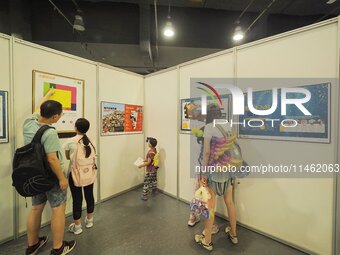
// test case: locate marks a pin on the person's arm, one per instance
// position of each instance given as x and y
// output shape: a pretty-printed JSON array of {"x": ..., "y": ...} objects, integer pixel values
[
  {"x": 57, "y": 170},
  {"x": 42, "y": 100},
  {"x": 148, "y": 161}
]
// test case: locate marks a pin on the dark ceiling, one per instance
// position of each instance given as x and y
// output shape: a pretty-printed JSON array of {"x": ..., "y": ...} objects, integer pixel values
[{"x": 124, "y": 34}]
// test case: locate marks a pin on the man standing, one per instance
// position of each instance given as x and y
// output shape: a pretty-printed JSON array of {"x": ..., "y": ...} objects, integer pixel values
[{"x": 50, "y": 112}]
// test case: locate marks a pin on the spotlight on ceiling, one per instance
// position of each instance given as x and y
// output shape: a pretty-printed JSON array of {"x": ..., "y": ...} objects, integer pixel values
[
  {"x": 238, "y": 34},
  {"x": 169, "y": 30},
  {"x": 79, "y": 23}
]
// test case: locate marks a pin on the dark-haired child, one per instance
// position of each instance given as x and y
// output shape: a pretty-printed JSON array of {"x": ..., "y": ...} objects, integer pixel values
[
  {"x": 150, "y": 179},
  {"x": 81, "y": 127}
]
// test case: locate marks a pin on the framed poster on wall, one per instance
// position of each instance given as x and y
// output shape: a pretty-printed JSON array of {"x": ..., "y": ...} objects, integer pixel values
[
  {"x": 117, "y": 118},
  {"x": 68, "y": 91},
  {"x": 191, "y": 116},
  {"x": 294, "y": 126},
  {"x": 3, "y": 116}
]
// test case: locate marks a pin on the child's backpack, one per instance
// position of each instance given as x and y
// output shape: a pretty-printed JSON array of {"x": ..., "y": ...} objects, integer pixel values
[
  {"x": 84, "y": 169},
  {"x": 155, "y": 162},
  {"x": 32, "y": 174}
]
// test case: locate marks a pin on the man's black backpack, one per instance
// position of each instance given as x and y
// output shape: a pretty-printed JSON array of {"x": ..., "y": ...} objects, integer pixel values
[{"x": 32, "y": 174}]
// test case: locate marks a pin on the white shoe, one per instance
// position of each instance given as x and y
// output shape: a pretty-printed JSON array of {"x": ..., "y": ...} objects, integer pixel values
[
  {"x": 88, "y": 222},
  {"x": 214, "y": 230},
  {"x": 233, "y": 239},
  {"x": 193, "y": 219},
  {"x": 76, "y": 229}
]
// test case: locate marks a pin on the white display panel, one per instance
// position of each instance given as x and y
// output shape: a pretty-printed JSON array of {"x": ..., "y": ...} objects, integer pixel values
[
  {"x": 289, "y": 209},
  {"x": 28, "y": 57},
  {"x": 118, "y": 153},
  {"x": 161, "y": 92},
  {"x": 6, "y": 155}
]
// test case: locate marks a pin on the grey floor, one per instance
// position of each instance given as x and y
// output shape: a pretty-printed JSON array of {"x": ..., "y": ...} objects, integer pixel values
[{"x": 128, "y": 225}]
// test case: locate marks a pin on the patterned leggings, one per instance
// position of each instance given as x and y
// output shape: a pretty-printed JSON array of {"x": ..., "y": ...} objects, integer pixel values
[{"x": 150, "y": 182}]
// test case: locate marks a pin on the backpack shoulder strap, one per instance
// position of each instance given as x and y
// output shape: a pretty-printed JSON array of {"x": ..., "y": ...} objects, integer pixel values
[{"x": 40, "y": 132}]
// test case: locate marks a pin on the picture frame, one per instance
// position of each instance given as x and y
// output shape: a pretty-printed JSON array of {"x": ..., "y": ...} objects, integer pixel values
[
  {"x": 69, "y": 92},
  {"x": 4, "y": 116},
  {"x": 120, "y": 119}
]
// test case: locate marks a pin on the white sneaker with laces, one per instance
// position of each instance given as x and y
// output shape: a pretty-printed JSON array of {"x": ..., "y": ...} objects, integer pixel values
[
  {"x": 76, "y": 229},
  {"x": 214, "y": 230},
  {"x": 233, "y": 239},
  {"x": 193, "y": 219},
  {"x": 88, "y": 222}
]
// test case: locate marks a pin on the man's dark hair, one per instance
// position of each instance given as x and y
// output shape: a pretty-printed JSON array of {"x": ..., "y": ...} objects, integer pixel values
[
  {"x": 50, "y": 108},
  {"x": 153, "y": 142}
]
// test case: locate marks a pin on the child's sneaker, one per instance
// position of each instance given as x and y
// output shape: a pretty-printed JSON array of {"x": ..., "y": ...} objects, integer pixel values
[
  {"x": 75, "y": 229},
  {"x": 88, "y": 222},
  {"x": 32, "y": 250},
  {"x": 193, "y": 219},
  {"x": 65, "y": 249},
  {"x": 214, "y": 230},
  {"x": 200, "y": 239},
  {"x": 233, "y": 239}
]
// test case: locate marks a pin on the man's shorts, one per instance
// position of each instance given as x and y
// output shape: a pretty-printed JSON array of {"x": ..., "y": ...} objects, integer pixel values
[{"x": 55, "y": 197}]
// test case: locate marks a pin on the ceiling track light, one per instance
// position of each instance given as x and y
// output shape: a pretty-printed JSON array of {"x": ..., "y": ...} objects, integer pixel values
[
  {"x": 78, "y": 23},
  {"x": 168, "y": 29},
  {"x": 238, "y": 34}
]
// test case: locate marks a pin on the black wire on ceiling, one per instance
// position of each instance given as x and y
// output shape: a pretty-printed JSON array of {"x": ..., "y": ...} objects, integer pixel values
[{"x": 83, "y": 44}]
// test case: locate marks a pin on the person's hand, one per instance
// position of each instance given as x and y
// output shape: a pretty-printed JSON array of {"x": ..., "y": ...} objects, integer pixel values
[
  {"x": 63, "y": 183},
  {"x": 140, "y": 166},
  {"x": 50, "y": 93}
]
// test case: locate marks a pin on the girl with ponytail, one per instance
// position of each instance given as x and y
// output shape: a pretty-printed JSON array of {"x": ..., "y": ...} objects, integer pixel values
[{"x": 81, "y": 127}]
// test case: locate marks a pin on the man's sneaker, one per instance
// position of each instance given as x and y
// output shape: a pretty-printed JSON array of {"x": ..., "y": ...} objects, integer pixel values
[
  {"x": 200, "y": 240},
  {"x": 65, "y": 249},
  {"x": 32, "y": 250},
  {"x": 193, "y": 219},
  {"x": 233, "y": 239},
  {"x": 214, "y": 230},
  {"x": 76, "y": 229},
  {"x": 88, "y": 222}
]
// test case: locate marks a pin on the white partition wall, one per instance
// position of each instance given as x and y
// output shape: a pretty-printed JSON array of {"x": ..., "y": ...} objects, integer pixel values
[
  {"x": 299, "y": 211},
  {"x": 221, "y": 66},
  {"x": 6, "y": 190},
  {"x": 119, "y": 152},
  {"x": 28, "y": 57},
  {"x": 161, "y": 103}
]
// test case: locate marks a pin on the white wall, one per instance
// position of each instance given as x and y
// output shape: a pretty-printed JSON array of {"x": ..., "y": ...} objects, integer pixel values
[
  {"x": 161, "y": 103},
  {"x": 6, "y": 190},
  {"x": 217, "y": 67},
  {"x": 299, "y": 211},
  {"x": 119, "y": 152},
  {"x": 27, "y": 57}
]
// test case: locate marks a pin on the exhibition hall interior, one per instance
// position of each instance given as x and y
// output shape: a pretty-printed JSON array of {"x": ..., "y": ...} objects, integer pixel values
[{"x": 170, "y": 127}]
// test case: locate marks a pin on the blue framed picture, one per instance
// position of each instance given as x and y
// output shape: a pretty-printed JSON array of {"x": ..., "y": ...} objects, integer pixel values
[{"x": 3, "y": 117}]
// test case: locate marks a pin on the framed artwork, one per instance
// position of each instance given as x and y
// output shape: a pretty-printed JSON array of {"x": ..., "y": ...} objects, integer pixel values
[
  {"x": 117, "y": 118},
  {"x": 68, "y": 91},
  {"x": 191, "y": 112},
  {"x": 3, "y": 116},
  {"x": 310, "y": 128}
]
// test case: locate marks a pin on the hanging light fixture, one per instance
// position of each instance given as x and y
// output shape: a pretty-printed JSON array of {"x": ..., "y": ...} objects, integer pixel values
[
  {"x": 168, "y": 29},
  {"x": 79, "y": 23},
  {"x": 238, "y": 34}
]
